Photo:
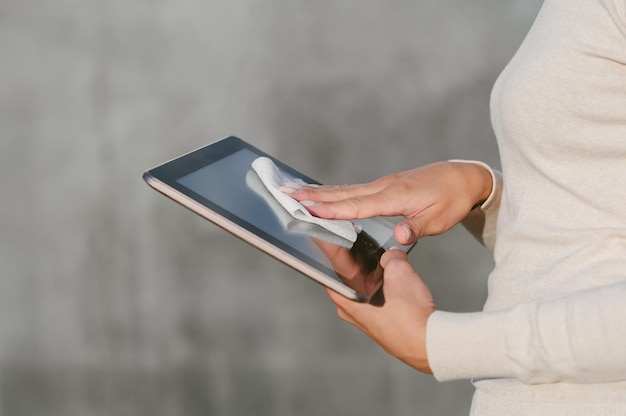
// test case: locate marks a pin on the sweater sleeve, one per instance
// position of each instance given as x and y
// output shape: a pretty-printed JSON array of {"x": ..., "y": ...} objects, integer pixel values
[
  {"x": 481, "y": 221},
  {"x": 578, "y": 338}
]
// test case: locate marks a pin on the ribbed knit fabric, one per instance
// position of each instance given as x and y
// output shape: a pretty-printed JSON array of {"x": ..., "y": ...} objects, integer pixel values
[{"x": 552, "y": 337}]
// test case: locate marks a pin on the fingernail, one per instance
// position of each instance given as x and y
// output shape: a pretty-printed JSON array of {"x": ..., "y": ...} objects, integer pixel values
[
  {"x": 395, "y": 248},
  {"x": 308, "y": 203},
  {"x": 408, "y": 233},
  {"x": 287, "y": 189}
]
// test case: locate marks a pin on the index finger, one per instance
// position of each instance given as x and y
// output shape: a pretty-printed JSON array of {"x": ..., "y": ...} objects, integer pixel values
[{"x": 339, "y": 192}]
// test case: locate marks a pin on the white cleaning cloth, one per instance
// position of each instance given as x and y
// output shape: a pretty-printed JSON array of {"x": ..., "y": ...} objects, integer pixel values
[
  {"x": 288, "y": 222},
  {"x": 273, "y": 178}
]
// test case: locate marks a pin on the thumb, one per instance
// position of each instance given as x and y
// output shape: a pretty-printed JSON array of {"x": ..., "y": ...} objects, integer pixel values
[
  {"x": 391, "y": 255},
  {"x": 398, "y": 270},
  {"x": 408, "y": 232}
]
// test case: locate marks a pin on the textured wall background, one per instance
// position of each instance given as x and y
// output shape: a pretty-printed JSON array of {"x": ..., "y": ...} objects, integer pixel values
[{"x": 115, "y": 301}]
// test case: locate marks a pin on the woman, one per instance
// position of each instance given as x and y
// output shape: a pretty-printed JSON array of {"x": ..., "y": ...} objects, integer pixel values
[{"x": 551, "y": 339}]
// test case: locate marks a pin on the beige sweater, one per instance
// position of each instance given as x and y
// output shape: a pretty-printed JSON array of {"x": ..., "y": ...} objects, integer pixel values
[{"x": 552, "y": 337}]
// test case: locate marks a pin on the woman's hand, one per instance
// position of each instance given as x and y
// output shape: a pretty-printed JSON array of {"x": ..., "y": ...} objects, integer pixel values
[
  {"x": 399, "y": 324},
  {"x": 433, "y": 198}
]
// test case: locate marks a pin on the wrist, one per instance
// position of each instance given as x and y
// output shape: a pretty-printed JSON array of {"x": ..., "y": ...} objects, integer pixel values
[{"x": 480, "y": 180}]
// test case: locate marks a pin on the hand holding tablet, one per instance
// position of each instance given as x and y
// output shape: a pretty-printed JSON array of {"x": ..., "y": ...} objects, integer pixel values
[{"x": 220, "y": 183}]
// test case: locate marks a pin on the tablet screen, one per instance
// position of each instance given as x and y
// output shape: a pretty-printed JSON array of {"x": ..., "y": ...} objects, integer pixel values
[
  {"x": 228, "y": 185},
  {"x": 224, "y": 183}
]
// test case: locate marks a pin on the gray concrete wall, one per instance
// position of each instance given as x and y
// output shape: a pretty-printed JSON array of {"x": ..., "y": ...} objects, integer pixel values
[{"x": 116, "y": 301}]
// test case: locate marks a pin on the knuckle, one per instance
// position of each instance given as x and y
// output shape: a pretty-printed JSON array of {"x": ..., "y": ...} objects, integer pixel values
[
  {"x": 342, "y": 191},
  {"x": 386, "y": 180},
  {"x": 418, "y": 227},
  {"x": 355, "y": 206}
]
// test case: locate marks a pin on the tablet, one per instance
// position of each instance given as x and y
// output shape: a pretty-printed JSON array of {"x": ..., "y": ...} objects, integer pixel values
[{"x": 219, "y": 183}]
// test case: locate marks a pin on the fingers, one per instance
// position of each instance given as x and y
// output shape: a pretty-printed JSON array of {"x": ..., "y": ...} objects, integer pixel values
[
  {"x": 347, "y": 201},
  {"x": 340, "y": 192},
  {"x": 344, "y": 305},
  {"x": 367, "y": 206},
  {"x": 339, "y": 300}
]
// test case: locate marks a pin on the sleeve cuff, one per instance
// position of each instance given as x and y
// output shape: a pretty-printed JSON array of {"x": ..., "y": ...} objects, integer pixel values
[
  {"x": 482, "y": 221},
  {"x": 467, "y": 345}
]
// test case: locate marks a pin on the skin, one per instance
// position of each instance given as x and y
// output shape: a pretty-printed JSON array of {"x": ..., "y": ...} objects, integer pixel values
[{"x": 433, "y": 199}]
